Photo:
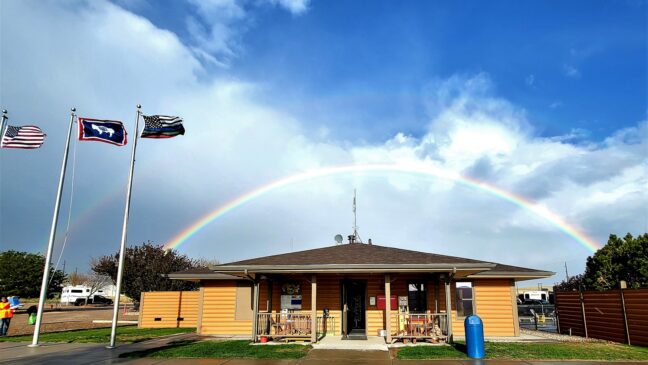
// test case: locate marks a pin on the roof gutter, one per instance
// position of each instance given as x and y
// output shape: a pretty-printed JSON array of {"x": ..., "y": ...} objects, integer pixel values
[{"x": 521, "y": 275}]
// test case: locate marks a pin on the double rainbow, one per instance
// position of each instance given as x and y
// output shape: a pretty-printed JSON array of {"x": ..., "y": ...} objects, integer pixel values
[{"x": 415, "y": 169}]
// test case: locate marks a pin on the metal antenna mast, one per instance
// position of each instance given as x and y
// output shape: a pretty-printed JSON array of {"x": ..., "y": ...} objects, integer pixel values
[{"x": 356, "y": 236}]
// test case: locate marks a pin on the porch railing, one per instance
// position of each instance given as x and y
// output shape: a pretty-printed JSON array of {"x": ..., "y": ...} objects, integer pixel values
[
  {"x": 326, "y": 326},
  {"x": 281, "y": 325},
  {"x": 293, "y": 325},
  {"x": 423, "y": 325}
]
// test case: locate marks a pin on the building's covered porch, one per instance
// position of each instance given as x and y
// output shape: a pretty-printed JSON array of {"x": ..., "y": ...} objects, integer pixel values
[{"x": 300, "y": 306}]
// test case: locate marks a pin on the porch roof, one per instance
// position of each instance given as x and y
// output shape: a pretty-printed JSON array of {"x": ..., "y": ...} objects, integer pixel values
[{"x": 370, "y": 258}]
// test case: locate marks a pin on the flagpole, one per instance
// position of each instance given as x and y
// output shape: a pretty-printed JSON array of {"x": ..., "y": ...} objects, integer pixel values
[
  {"x": 50, "y": 244},
  {"x": 122, "y": 247},
  {"x": 2, "y": 124}
]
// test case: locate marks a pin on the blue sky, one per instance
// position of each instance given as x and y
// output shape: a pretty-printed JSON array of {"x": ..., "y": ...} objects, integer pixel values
[
  {"x": 575, "y": 65},
  {"x": 546, "y": 100}
]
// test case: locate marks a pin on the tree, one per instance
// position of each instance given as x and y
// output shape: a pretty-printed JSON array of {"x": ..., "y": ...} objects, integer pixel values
[
  {"x": 75, "y": 279},
  {"x": 573, "y": 283},
  {"x": 21, "y": 274},
  {"x": 620, "y": 259},
  {"x": 206, "y": 263},
  {"x": 91, "y": 281},
  {"x": 145, "y": 269}
]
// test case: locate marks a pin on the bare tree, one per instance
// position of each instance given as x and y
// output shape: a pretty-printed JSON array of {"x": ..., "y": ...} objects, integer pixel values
[
  {"x": 76, "y": 278},
  {"x": 91, "y": 280},
  {"x": 207, "y": 263},
  {"x": 95, "y": 282}
]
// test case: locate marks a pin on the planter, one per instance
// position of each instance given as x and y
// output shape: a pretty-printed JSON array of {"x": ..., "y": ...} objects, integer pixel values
[{"x": 263, "y": 339}]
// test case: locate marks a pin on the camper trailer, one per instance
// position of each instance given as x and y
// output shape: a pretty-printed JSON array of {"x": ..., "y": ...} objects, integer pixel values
[{"x": 534, "y": 296}]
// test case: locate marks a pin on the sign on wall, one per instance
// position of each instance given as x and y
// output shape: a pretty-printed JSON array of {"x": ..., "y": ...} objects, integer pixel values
[{"x": 291, "y": 296}]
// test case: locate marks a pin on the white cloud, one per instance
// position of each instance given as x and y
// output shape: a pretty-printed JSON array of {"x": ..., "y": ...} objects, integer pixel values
[
  {"x": 235, "y": 143},
  {"x": 296, "y": 7},
  {"x": 218, "y": 25},
  {"x": 555, "y": 104},
  {"x": 571, "y": 71},
  {"x": 529, "y": 80}
]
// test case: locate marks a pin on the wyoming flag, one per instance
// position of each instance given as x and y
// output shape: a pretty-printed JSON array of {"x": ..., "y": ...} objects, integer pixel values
[{"x": 108, "y": 131}]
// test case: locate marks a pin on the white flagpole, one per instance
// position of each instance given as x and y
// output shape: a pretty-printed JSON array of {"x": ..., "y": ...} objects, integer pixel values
[
  {"x": 50, "y": 244},
  {"x": 122, "y": 247},
  {"x": 2, "y": 124}
]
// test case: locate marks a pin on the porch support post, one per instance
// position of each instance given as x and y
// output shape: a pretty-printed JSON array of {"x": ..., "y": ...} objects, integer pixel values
[
  {"x": 255, "y": 311},
  {"x": 448, "y": 305},
  {"x": 313, "y": 309},
  {"x": 388, "y": 307}
]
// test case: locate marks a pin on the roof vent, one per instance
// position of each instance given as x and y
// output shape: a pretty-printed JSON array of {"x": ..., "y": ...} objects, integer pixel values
[
  {"x": 369, "y": 242},
  {"x": 351, "y": 238}
]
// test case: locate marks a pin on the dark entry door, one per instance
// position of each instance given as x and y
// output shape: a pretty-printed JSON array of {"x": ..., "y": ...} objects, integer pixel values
[{"x": 354, "y": 297}]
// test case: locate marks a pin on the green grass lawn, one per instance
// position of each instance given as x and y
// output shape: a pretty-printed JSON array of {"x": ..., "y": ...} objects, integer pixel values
[
  {"x": 100, "y": 335},
  {"x": 531, "y": 351},
  {"x": 224, "y": 350}
]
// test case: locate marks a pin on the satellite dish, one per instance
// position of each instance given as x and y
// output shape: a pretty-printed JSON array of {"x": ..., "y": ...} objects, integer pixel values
[{"x": 338, "y": 238}]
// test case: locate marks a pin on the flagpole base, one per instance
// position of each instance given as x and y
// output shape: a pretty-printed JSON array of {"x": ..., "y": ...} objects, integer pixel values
[
  {"x": 111, "y": 347},
  {"x": 33, "y": 345}
]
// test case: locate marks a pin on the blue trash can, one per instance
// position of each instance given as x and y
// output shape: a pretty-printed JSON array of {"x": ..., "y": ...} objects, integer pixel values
[{"x": 474, "y": 337}]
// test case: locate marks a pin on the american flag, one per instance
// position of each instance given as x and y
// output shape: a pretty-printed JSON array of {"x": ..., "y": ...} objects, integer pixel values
[
  {"x": 162, "y": 126},
  {"x": 27, "y": 137}
]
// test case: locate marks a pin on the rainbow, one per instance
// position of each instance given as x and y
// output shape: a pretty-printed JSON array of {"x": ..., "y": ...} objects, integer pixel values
[{"x": 408, "y": 168}]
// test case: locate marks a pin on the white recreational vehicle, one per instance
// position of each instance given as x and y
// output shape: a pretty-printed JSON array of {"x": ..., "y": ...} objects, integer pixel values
[
  {"x": 78, "y": 294},
  {"x": 540, "y": 295}
]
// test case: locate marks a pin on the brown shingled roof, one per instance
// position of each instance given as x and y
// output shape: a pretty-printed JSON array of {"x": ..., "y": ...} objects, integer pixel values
[
  {"x": 354, "y": 254},
  {"x": 358, "y": 257}
]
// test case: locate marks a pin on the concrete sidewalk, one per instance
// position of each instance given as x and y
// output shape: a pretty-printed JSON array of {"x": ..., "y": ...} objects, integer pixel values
[
  {"x": 80, "y": 353},
  {"x": 65, "y": 353}
]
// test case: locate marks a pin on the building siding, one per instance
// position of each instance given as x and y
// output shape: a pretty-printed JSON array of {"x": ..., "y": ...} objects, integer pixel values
[
  {"x": 492, "y": 303},
  {"x": 219, "y": 308},
  {"x": 171, "y": 308}
]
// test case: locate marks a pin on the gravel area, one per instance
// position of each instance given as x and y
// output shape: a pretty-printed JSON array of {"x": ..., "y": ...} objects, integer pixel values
[{"x": 559, "y": 337}]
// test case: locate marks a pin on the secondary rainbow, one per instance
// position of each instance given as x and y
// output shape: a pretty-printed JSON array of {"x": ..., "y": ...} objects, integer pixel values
[{"x": 409, "y": 168}]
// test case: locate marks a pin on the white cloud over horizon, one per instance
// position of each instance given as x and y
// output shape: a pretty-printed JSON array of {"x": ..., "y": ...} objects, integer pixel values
[{"x": 106, "y": 59}]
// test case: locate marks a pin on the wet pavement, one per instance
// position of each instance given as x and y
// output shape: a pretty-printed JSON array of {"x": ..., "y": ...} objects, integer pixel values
[{"x": 64, "y": 353}]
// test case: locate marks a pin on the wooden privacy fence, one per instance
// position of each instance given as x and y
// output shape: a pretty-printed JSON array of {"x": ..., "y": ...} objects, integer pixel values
[
  {"x": 613, "y": 315},
  {"x": 164, "y": 309}
]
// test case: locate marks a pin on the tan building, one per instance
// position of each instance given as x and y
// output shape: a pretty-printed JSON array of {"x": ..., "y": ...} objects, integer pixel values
[{"x": 343, "y": 290}]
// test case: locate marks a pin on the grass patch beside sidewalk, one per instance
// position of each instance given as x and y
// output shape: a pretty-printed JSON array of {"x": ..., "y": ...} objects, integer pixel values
[
  {"x": 531, "y": 351},
  {"x": 101, "y": 335},
  {"x": 224, "y": 350}
]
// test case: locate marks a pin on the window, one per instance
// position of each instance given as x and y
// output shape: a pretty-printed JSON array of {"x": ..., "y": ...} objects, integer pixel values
[
  {"x": 243, "y": 310},
  {"x": 417, "y": 298},
  {"x": 77, "y": 291},
  {"x": 464, "y": 298}
]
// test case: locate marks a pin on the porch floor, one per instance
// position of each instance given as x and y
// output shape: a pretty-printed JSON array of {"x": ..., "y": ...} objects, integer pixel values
[{"x": 336, "y": 343}]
